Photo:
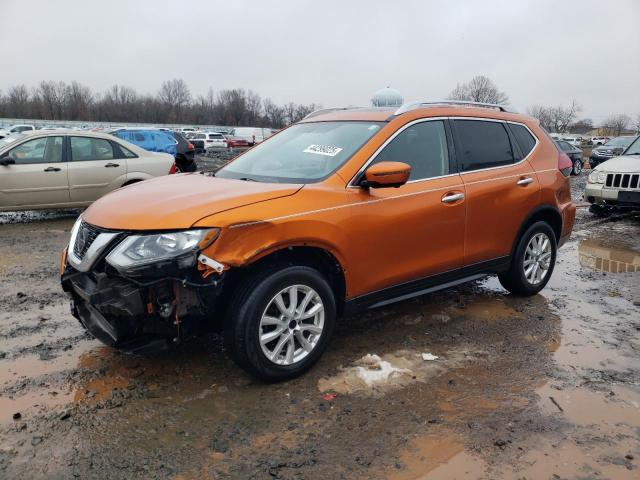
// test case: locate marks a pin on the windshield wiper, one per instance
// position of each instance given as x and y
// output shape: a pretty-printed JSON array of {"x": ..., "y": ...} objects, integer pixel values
[{"x": 247, "y": 179}]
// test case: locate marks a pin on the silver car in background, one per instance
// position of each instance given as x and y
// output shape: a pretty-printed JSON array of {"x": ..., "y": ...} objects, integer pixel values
[{"x": 67, "y": 169}]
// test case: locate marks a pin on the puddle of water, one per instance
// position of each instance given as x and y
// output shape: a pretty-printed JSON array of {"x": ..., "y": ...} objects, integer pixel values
[
  {"x": 439, "y": 456},
  {"x": 585, "y": 407},
  {"x": 30, "y": 366},
  {"x": 486, "y": 309},
  {"x": 568, "y": 460},
  {"x": 31, "y": 403},
  {"x": 602, "y": 256}
]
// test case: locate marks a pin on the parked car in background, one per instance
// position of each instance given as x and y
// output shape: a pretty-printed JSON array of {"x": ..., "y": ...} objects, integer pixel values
[
  {"x": 21, "y": 128},
  {"x": 599, "y": 140},
  {"x": 615, "y": 183},
  {"x": 159, "y": 140},
  {"x": 574, "y": 153},
  {"x": 576, "y": 141},
  {"x": 64, "y": 169},
  {"x": 198, "y": 140},
  {"x": 214, "y": 140},
  {"x": 613, "y": 147},
  {"x": 235, "y": 142},
  {"x": 251, "y": 134},
  {"x": 345, "y": 211},
  {"x": 15, "y": 129}
]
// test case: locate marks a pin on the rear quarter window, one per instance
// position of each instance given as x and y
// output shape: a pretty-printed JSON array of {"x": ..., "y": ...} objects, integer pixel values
[{"x": 525, "y": 140}]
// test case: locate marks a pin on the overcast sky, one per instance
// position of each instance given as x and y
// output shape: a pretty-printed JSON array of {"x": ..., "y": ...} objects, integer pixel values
[{"x": 334, "y": 52}]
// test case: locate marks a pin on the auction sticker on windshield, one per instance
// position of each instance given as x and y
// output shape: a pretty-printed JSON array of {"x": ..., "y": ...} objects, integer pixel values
[{"x": 328, "y": 150}]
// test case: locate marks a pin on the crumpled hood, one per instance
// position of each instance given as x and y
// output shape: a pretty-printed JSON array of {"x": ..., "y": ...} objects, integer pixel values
[
  {"x": 178, "y": 201},
  {"x": 622, "y": 164}
]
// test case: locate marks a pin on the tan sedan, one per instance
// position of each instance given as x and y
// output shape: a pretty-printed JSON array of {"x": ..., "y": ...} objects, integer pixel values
[{"x": 66, "y": 169}]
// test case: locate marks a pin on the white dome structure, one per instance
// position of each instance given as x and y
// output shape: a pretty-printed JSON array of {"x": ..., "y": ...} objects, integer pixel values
[{"x": 387, "y": 97}]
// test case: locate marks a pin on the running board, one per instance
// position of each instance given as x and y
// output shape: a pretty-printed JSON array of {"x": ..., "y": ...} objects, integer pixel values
[{"x": 424, "y": 291}]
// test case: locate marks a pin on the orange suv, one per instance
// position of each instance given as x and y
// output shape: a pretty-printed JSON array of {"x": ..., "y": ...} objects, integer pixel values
[{"x": 349, "y": 209}]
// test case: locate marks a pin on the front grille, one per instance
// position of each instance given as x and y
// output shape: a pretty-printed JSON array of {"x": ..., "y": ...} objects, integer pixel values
[
  {"x": 630, "y": 181},
  {"x": 86, "y": 235}
]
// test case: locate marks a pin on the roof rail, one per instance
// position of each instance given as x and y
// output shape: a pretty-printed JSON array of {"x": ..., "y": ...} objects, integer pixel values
[
  {"x": 412, "y": 106},
  {"x": 324, "y": 110}
]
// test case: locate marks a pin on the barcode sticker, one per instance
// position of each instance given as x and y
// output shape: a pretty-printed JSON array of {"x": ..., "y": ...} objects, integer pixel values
[{"x": 327, "y": 150}]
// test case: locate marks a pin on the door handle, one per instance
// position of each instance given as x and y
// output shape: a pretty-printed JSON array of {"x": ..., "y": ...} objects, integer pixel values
[
  {"x": 52, "y": 169},
  {"x": 111, "y": 165},
  {"x": 452, "y": 197},
  {"x": 524, "y": 181}
]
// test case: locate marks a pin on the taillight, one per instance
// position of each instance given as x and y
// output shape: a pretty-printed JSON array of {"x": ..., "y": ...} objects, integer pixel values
[
  {"x": 190, "y": 146},
  {"x": 565, "y": 165},
  {"x": 173, "y": 169}
]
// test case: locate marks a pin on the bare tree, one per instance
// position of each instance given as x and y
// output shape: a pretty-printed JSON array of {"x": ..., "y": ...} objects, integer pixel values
[
  {"x": 52, "y": 96},
  {"x": 636, "y": 124},
  {"x": 232, "y": 105},
  {"x": 616, "y": 124},
  {"x": 57, "y": 101},
  {"x": 555, "y": 119},
  {"x": 581, "y": 126},
  {"x": 17, "y": 101},
  {"x": 176, "y": 96},
  {"x": 479, "y": 89},
  {"x": 254, "y": 108},
  {"x": 78, "y": 101},
  {"x": 274, "y": 114}
]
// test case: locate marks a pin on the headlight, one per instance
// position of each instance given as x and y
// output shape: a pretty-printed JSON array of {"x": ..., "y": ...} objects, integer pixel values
[
  {"x": 597, "y": 177},
  {"x": 138, "y": 250}
]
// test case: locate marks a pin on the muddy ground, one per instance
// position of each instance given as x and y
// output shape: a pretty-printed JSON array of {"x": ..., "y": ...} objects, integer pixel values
[{"x": 546, "y": 387}]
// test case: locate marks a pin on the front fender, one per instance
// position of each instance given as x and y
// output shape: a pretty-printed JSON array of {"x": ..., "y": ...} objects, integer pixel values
[{"x": 243, "y": 244}]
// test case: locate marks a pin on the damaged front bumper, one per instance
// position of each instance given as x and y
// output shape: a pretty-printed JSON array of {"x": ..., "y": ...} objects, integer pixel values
[{"x": 146, "y": 309}]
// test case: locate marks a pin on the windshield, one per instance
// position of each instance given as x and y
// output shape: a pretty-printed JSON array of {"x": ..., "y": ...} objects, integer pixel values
[
  {"x": 303, "y": 153},
  {"x": 634, "y": 149},
  {"x": 619, "y": 142}
]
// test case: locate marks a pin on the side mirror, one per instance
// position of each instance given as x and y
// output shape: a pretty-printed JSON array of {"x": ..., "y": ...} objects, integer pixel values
[
  {"x": 386, "y": 174},
  {"x": 6, "y": 160}
]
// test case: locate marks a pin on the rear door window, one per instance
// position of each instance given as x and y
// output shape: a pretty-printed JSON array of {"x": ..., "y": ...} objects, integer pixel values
[
  {"x": 482, "y": 144},
  {"x": 87, "y": 148}
]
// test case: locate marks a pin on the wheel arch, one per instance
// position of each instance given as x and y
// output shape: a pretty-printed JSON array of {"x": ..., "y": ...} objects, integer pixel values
[
  {"x": 309, "y": 255},
  {"x": 545, "y": 213},
  {"x": 131, "y": 181}
]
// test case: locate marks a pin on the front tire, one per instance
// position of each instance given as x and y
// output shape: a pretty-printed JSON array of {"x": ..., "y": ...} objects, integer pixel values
[
  {"x": 279, "y": 324},
  {"x": 599, "y": 211},
  {"x": 577, "y": 167},
  {"x": 533, "y": 261}
]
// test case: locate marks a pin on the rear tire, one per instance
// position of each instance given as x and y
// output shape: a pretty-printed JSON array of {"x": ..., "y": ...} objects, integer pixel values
[
  {"x": 533, "y": 261},
  {"x": 266, "y": 331}
]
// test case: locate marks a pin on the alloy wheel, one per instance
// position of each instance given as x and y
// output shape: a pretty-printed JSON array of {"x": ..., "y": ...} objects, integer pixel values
[
  {"x": 291, "y": 325},
  {"x": 537, "y": 258}
]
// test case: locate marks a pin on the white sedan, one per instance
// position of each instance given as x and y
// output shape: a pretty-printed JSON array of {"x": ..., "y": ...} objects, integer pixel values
[{"x": 67, "y": 169}]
